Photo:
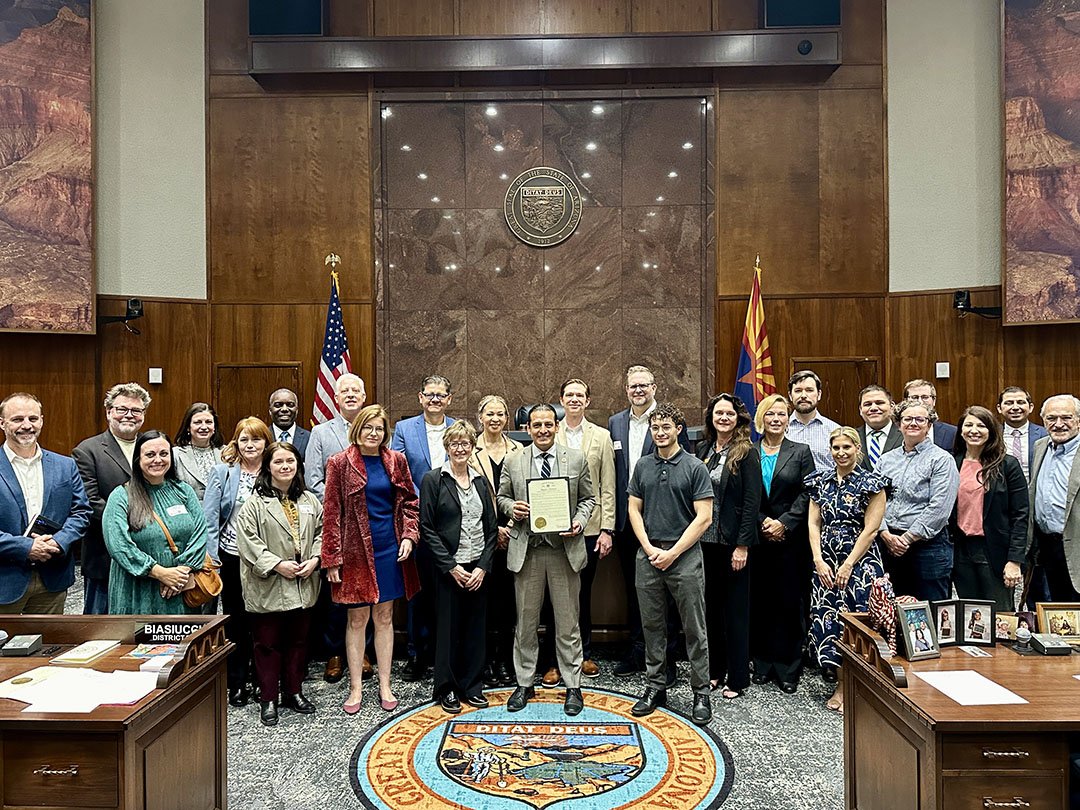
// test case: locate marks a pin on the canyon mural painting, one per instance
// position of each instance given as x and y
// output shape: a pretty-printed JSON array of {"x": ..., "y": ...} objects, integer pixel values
[
  {"x": 46, "y": 192},
  {"x": 1042, "y": 161}
]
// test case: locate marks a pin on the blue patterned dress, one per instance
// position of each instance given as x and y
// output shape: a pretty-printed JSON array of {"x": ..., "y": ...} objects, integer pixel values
[{"x": 843, "y": 509}]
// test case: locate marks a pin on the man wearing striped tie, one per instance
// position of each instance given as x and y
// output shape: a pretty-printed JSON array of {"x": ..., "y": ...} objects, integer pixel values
[{"x": 878, "y": 434}]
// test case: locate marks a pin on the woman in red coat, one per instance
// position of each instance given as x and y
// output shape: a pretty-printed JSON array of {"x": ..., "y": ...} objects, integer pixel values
[{"x": 370, "y": 527}]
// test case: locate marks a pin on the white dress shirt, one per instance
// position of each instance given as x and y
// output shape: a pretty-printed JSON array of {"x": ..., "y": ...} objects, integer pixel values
[
  {"x": 31, "y": 480},
  {"x": 574, "y": 436},
  {"x": 538, "y": 463},
  {"x": 291, "y": 430},
  {"x": 434, "y": 443},
  {"x": 639, "y": 429}
]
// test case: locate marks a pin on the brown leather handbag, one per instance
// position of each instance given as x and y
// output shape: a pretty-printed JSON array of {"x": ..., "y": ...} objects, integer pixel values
[{"x": 207, "y": 581}]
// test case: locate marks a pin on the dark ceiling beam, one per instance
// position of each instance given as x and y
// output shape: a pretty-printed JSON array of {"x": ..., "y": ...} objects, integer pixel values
[{"x": 819, "y": 46}]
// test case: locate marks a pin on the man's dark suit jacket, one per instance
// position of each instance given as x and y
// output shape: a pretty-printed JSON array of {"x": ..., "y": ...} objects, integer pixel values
[
  {"x": 103, "y": 467},
  {"x": 944, "y": 435},
  {"x": 619, "y": 428},
  {"x": 298, "y": 437},
  {"x": 892, "y": 441}
]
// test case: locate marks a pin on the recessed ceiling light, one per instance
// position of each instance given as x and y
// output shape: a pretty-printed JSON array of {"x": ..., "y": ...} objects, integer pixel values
[
  {"x": 597, "y": 109},
  {"x": 591, "y": 146},
  {"x": 586, "y": 175},
  {"x": 504, "y": 176},
  {"x": 673, "y": 174},
  {"x": 498, "y": 147},
  {"x": 421, "y": 176},
  {"x": 660, "y": 198},
  {"x": 688, "y": 145},
  {"x": 435, "y": 199},
  {"x": 491, "y": 112},
  {"x": 406, "y": 148}
]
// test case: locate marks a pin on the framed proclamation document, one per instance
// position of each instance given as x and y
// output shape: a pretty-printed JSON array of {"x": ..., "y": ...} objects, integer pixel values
[{"x": 549, "y": 504}]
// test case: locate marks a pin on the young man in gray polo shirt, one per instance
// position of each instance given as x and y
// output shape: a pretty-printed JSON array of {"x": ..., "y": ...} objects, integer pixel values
[{"x": 670, "y": 506}]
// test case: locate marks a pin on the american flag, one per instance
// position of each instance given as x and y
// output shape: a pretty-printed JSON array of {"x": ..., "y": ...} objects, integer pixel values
[{"x": 334, "y": 361}]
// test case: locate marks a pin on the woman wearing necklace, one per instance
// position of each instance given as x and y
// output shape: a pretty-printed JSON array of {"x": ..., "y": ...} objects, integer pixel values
[
  {"x": 493, "y": 448},
  {"x": 781, "y": 560},
  {"x": 230, "y": 485},
  {"x": 735, "y": 470},
  {"x": 846, "y": 509},
  {"x": 279, "y": 535},
  {"x": 197, "y": 447},
  {"x": 458, "y": 523}
]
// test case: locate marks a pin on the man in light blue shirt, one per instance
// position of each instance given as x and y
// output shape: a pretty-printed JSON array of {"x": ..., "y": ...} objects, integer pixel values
[
  {"x": 1054, "y": 536},
  {"x": 807, "y": 425},
  {"x": 918, "y": 552}
]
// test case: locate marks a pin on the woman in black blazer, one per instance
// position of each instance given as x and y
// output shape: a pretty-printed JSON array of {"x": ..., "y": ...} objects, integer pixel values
[
  {"x": 989, "y": 522},
  {"x": 781, "y": 560},
  {"x": 736, "y": 477},
  {"x": 458, "y": 524}
]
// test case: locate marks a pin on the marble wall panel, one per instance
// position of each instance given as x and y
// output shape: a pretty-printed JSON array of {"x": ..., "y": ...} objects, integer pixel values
[
  {"x": 503, "y": 272},
  {"x": 586, "y": 345},
  {"x": 425, "y": 258},
  {"x": 584, "y": 140},
  {"x": 423, "y": 151},
  {"x": 662, "y": 256},
  {"x": 585, "y": 271},
  {"x": 502, "y": 139},
  {"x": 507, "y": 356},
  {"x": 658, "y": 166},
  {"x": 420, "y": 343},
  {"x": 668, "y": 341}
]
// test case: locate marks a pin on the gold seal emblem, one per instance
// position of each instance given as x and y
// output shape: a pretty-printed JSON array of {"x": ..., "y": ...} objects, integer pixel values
[
  {"x": 542, "y": 207},
  {"x": 541, "y": 522}
]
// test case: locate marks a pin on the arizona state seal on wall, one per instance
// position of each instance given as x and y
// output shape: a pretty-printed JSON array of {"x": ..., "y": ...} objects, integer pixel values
[{"x": 542, "y": 207}]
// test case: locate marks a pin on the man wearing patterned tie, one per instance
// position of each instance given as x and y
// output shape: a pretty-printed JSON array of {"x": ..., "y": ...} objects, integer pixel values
[
  {"x": 546, "y": 559},
  {"x": 878, "y": 433},
  {"x": 1020, "y": 434}
]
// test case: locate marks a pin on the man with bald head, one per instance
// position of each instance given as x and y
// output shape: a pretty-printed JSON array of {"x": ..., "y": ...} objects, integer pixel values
[
  {"x": 1054, "y": 528},
  {"x": 284, "y": 405}
]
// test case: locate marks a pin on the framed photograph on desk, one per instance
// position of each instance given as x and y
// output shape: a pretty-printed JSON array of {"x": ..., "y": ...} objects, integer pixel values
[
  {"x": 977, "y": 622},
  {"x": 1062, "y": 618},
  {"x": 945, "y": 623},
  {"x": 916, "y": 625}
]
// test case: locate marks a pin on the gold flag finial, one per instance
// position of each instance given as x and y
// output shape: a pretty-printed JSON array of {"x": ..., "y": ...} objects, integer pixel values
[
  {"x": 332, "y": 259},
  {"x": 757, "y": 262}
]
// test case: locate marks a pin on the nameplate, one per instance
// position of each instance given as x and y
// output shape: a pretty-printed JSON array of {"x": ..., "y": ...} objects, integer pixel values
[{"x": 165, "y": 632}]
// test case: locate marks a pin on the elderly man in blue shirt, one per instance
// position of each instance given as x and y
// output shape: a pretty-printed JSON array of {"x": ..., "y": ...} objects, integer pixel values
[
  {"x": 1054, "y": 532},
  {"x": 919, "y": 553}
]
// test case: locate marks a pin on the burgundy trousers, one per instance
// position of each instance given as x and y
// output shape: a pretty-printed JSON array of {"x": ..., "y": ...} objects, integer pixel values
[{"x": 281, "y": 644}]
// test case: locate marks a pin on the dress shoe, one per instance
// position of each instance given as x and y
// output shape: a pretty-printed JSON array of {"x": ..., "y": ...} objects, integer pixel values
[
  {"x": 759, "y": 678},
  {"x": 335, "y": 669},
  {"x": 648, "y": 702},
  {"x": 829, "y": 674},
  {"x": 701, "y": 714},
  {"x": 298, "y": 703},
  {"x": 367, "y": 671},
  {"x": 627, "y": 667},
  {"x": 414, "y": 670},
  {"x": 789, "y": 687},
  {"x": 268, "y": 712},
  {"x": 503, "y": 673},
  {"x": 522, "y": 695},
  {"x": 239, "y": 697},
  {"x": 489, "y": 677},
  {"x": 388, "y": 705},
  {"x": 672, "y": 676},
  {"x": 477, "y": 701},
  {"x": 450, "y": 703},
  {"x": 351, "y": 708},
  {"x": 551, "y": 678},
  {"x": 574, "y": 702},
  {"x": 589, "y": 668}
]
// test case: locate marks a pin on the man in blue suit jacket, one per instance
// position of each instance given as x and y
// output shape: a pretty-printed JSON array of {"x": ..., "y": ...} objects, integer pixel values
[
  {"x": 943, "y": 434},
  {"x": 284, "y": 405},
  {"x": 1019, "y": 434},
  {"x": 420, "y": 439},
  {"x": 36, "y": 568}
]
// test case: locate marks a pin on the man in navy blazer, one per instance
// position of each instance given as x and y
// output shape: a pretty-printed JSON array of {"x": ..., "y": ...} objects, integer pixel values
[
  {"x": 420, "y": 439},
  {"x": 630, "y": 435},
  {"x": 1019, "y": 434},
  {"x": 284, "y": 405},
  {"x": 36, "y": 567},
  {"x": 943, "y": 434}
]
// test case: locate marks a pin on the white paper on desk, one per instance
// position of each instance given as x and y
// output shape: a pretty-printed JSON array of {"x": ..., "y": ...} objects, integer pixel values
[
  {"x": 71, "y": 689},
  {"x": 67, "y": 703},
  {"x": 968, "y": 688},
  {"x": 124, "y": 687}
]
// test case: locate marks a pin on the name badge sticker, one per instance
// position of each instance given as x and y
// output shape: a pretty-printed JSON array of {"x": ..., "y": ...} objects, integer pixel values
[
  {"x": 307, "y": 509},
  {"x": 178, "y": 509},
  {"x": 618, "y": 444}
]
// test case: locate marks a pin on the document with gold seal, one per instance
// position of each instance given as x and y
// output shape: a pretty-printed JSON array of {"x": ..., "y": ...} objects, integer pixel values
[{"x": 549, "y": 504}]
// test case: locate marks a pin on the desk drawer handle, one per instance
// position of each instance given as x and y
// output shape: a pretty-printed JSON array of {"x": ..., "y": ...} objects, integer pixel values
[
  {"x": 1018, "y": 754},
  {"x": 1017, "y": 801},
  {"x": 49, "y": 770}
]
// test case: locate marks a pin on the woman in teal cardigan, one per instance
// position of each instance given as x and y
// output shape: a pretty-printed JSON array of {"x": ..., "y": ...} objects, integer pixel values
[{"x": 146, "y": 576}]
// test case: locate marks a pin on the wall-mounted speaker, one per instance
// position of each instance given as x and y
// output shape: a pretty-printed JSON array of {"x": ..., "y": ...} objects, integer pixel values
[
  {"x": 268, "y": 18},
  {"x": 800, "y": 13}
]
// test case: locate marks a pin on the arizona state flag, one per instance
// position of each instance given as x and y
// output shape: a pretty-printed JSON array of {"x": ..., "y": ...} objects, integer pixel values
[{"x": 754, "y": 380}]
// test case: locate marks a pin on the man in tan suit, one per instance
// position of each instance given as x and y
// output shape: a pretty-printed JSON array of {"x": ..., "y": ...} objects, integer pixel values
[
  {"x": 551, "y": 560},
  {"x": 579, "y": 433}
]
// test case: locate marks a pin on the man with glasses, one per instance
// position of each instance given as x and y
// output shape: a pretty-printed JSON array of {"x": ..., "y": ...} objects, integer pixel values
[
  {"x": 1054, "y": 529},
  {"x": 915, "y": 535},
  {"x": 941, "y": 433},
  {"x": 420, "y": 438},
  {"x": 104, "y": 463}
]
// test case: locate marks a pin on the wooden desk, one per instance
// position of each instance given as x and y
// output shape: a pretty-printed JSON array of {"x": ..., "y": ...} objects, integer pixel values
[
  {"x": 166, "y": 752},
  {"x": 910, "y": 746}
]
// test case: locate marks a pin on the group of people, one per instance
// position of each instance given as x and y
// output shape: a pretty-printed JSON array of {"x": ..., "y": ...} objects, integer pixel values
[{"x": 745, "y": 549}]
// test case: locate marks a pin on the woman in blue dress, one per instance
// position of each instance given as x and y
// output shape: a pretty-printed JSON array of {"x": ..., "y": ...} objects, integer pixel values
[{"x": 846, "y": 509}]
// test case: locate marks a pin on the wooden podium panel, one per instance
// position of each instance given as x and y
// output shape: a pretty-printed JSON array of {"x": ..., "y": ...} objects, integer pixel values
[{"x": 166, "y": 752}]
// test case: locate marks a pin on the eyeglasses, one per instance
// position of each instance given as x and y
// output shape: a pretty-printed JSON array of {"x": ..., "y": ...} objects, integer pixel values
[
  {"x": 372, "y": 429},
  {"x": 913, "y": 420},
  {"x": 640, "y": 386},
  {"x": 1065, "y": 420},
  {"x": 923, "y": 397},
  {"x": 460, "y": 445},
  {"x": 129, "y": 411},
  {"x": 432, "y": 396}
]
